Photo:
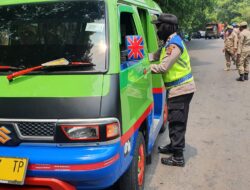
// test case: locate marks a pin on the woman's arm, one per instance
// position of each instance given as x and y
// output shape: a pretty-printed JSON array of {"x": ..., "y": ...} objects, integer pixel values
[{"x": 173, "y": 52}]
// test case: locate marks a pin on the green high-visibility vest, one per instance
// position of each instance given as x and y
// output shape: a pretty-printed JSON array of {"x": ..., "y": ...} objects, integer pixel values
[{"x": 180, "y": 72}]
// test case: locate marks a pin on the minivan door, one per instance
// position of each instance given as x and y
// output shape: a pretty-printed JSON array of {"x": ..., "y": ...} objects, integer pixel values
[{"x": 135, "y": 74}]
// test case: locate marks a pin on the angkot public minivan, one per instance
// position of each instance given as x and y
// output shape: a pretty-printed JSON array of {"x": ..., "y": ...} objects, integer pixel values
[{"x": 79, "y": 107}]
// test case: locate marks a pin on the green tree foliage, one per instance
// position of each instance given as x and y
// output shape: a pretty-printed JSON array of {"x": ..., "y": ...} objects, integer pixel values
[
  {"x": 192, "y": 14},
  {"x": 233, "y": 10}
]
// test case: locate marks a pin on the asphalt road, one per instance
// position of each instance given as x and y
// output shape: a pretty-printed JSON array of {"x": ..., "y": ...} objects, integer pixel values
[{"x": 218, "y": 134}]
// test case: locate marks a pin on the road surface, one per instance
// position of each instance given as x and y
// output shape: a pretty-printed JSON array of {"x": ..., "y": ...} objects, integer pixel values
[{"x": 218, "y": 134}]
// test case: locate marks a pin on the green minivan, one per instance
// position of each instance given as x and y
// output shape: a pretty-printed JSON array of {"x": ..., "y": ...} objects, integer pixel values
[{"x": 80, "y": 108}]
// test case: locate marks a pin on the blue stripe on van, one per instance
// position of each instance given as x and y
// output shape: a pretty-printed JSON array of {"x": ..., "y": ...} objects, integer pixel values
[{"x": 127, "y": 64}]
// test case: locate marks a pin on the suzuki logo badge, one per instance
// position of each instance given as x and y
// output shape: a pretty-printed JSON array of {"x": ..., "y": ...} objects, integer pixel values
[{"x": 4, "y": 132}]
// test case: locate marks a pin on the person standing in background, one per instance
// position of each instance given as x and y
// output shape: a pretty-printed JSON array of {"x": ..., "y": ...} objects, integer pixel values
[
  {"x": 230, "y": 46},
  {"x": 243, "y": 52},
  {"x": 236, "y": 27}
]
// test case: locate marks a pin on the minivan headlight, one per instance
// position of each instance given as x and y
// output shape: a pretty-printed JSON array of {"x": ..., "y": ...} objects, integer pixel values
[
  {"x": 81, "y": 132},
  {"x": 87, "y": 132}
]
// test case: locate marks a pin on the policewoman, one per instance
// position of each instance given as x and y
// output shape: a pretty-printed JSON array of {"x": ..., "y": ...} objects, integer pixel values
[{"x": 176, "y": 70}]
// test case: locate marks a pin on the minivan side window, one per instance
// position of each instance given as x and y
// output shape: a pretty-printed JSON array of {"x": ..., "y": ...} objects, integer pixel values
[
  {"x": 127, "y": 27},
  {"x": 144, "y": 21}
]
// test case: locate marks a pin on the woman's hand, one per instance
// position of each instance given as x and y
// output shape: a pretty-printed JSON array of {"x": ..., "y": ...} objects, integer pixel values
[{"x": 154, "y": 68}]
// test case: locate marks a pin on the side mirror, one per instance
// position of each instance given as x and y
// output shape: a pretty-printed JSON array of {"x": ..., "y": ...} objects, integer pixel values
[{"x": 134, "y": 48}]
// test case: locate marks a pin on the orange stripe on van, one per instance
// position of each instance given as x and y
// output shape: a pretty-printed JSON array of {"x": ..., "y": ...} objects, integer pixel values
[
  {"x": 159, "y": 90},
  {"x": 136, "y": 125}
]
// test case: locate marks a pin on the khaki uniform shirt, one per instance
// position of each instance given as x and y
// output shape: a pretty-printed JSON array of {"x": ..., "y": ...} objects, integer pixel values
[
  {"x": 237, "y": 32},
  {"x": 231, "y": 42},
  {"x": 244, "y": 43}
]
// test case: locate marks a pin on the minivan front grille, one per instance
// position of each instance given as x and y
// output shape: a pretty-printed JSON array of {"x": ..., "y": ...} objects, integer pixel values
[{"x": 36, "y": 130}]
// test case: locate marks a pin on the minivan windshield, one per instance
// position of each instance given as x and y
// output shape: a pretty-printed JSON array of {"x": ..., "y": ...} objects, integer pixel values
[{"x": 36, "y": 33}]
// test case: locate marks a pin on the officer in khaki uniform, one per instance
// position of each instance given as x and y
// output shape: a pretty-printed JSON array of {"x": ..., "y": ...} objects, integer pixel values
[
  {"x": 237, "y": 32},
  {"x": 230, "y": 48},
  {"x": 243, "y": 52}
]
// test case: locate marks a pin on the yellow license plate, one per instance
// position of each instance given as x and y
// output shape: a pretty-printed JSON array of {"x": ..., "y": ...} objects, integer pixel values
[{"x": 13, "y": 170}]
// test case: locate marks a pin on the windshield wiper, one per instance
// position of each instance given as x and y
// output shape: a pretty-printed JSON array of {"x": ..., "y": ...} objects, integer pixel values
[
  {"x": 59, "y": 63},
  {"x": 70, "y": 65},
  {"x": 10, "y": 68}
]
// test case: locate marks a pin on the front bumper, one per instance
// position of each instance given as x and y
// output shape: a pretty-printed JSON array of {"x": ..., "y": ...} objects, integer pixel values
[
  {"x": 32, "y": 183},
  {"x": 82, "y": 167}
]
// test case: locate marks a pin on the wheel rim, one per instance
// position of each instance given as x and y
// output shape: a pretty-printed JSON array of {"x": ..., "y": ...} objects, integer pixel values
[{"x": 141, "y": 165}]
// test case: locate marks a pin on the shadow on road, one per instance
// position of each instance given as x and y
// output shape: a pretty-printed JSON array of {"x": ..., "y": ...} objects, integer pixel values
[{"x": 190, "y": 152}]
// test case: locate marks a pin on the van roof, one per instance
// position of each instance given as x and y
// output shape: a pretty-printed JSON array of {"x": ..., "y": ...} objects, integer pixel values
[
  {"x": 12, "y": 2},
  {"x": 142, "y": 3}
]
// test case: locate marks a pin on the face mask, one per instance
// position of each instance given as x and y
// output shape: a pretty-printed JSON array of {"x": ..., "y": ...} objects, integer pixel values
[{"x": 162, "y": 33}]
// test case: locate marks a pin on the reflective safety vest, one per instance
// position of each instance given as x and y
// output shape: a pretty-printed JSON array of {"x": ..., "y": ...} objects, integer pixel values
[{"x": 180, "y": 72}]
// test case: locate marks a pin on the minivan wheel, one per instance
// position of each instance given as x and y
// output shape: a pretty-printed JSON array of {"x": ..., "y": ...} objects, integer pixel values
[
  {"x": 134, "y": 177},
  {"x": 165, "y": 119}
]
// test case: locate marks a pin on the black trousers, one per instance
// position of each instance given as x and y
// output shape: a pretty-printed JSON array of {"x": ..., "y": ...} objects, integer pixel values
[{"x": 178, "y": 108}]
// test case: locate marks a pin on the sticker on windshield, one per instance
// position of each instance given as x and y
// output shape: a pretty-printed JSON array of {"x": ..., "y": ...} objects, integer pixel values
[{"x": 94, "y": 27}]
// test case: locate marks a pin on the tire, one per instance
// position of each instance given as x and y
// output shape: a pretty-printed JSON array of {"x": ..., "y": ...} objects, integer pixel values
[
  {"x": 165, "y": 119},
  {"x": 134, "y": 177}
]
